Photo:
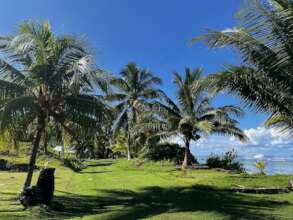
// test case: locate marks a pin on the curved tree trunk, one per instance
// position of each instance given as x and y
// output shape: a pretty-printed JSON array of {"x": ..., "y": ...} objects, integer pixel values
[
  {"x": 129, "y": 134},
  {"x": 128, "y": 153},
  {"x": 32, "y": 162},
  {"x": 128, "y": 147},
  {"x": 186, "y": 160},
  {"x": 16, "y": 146},
  {"x": 45, "y": 142}
]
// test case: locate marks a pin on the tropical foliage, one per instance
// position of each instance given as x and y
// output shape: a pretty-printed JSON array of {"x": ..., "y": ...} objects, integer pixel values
[
  {"x": 52, "y": 93},
  {"x": 168, "y": 151},
  {"x": 44, "y": 78},
  {"x": 228, "y": 161},
  {"x": 264, "y": 39},
  {"x": 261, "y": 166},
  {"x": 132, "y": 91},
  {"x": 194, "y": 116}
]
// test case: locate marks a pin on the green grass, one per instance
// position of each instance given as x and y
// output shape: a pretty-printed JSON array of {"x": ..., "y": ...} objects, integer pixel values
[{"x": 110, "y": 189}]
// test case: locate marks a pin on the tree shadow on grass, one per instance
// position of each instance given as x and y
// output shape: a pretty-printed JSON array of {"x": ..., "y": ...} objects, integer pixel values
[
  {"x": 151, "y": 201},
  {"x": 9, "y": 204}
]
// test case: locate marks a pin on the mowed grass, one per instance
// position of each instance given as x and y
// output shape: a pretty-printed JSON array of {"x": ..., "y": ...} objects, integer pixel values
[{"x": 110, "y": 189}]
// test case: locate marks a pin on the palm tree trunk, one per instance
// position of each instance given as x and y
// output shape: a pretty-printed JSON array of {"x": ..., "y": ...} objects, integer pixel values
[
  {"x": 45, "y": 142},
  {"x": 16, "y": 146},
  {"x": 128, "y": 153},
  {"x": 46, "y": 130},
  {"x": 128, "y": 147},
  {"x": 32, "y": 162},
  {"x": 129, "y": 134},
  {"x": 186, "y": 154}
]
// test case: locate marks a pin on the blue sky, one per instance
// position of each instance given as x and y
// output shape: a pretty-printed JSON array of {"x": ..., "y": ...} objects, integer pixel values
[{"x": 156, "y": 34}]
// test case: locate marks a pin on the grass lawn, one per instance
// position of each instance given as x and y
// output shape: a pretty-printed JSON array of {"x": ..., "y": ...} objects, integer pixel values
[{"x": 118, "y": 190}]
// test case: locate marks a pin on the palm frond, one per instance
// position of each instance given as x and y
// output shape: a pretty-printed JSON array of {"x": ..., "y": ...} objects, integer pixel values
[
  {"x": 80, "y": 107},
  {"x": 230, "y": 130},
  {"x": 19, "y": 107}
]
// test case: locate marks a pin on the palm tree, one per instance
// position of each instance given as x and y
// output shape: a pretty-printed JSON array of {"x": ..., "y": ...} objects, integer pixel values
[
  {"x": 133, "y": 90},
  {"x": 264, "y": 40},
  {"x": 193, "y": 116},
  {"x": 44, "y": 78}
]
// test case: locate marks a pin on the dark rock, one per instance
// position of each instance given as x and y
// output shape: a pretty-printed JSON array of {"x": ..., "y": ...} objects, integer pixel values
[
  {"x": 42, "y": 193},
  {"x": 46, "y": 185},
  {"x": 3, "y": 164}
]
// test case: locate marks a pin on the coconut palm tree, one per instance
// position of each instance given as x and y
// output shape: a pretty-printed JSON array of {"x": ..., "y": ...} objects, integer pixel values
[
  {"x": 264, "y": 40},
  {"x": 194, "y": 116},
  {"x": 132, "y": 91},
  {"x": 43, "y": 78}
]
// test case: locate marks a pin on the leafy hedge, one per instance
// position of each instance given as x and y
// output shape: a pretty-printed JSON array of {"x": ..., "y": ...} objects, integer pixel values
[
  {"x": 228, "y": 161},
  {"x": 168, "y": 151},
  {"x": 74, "y": 163}
]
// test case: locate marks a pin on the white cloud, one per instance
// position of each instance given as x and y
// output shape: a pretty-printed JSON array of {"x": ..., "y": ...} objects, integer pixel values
[
  {"x": 267, "y": 136},
  {"x": 265, "y": 141},
  {"x": 231, "y": 30},
  {"x": 259, "y": 137}
]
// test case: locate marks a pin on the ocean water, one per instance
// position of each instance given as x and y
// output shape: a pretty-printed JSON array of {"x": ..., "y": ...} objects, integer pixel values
[{"x": 274, "y": 163}]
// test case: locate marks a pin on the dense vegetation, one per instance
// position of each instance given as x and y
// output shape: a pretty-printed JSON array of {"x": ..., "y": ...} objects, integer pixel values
[
  {"x": 43, "y": 81},
  {"x": 49, "y": 96},
  {"x": 168, "y": 151},
  {"x": 228, "y": 161}
]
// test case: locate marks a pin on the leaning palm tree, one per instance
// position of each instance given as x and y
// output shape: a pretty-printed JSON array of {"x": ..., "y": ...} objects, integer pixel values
[
  {"x": 44, "y": 78},
  {"x": 193, "y": 116},
  {"x": 132, "y": 91},
  {"x": 265, "y": 41}
]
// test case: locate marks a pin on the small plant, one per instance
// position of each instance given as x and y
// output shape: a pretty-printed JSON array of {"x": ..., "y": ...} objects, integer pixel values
[
  {"x": 261, "y": 165},
  {"x": 74, "y": 163},
  {"x": 228, "y": 161},
  {"x": 46, "y": 164}
]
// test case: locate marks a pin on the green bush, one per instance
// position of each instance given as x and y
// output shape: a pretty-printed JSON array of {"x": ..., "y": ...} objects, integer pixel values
[
  {"x": 228, "y": 161},
  {"x": 169, "y": 152},
  {"x": 74, "y": 163}
]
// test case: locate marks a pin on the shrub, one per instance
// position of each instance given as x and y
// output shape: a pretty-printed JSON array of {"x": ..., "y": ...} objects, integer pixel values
[
  {"x": 168, "y": 151},
  {"x": 228, "y": 161},
  {"x": 74, "y": 163}
]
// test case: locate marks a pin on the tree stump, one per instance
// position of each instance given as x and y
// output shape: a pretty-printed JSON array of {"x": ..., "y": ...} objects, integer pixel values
[{"x": 42, "y": 193}]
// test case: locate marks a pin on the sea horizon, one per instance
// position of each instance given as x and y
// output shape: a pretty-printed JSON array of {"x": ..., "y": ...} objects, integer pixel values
[{"x": 278, "y": 160}]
